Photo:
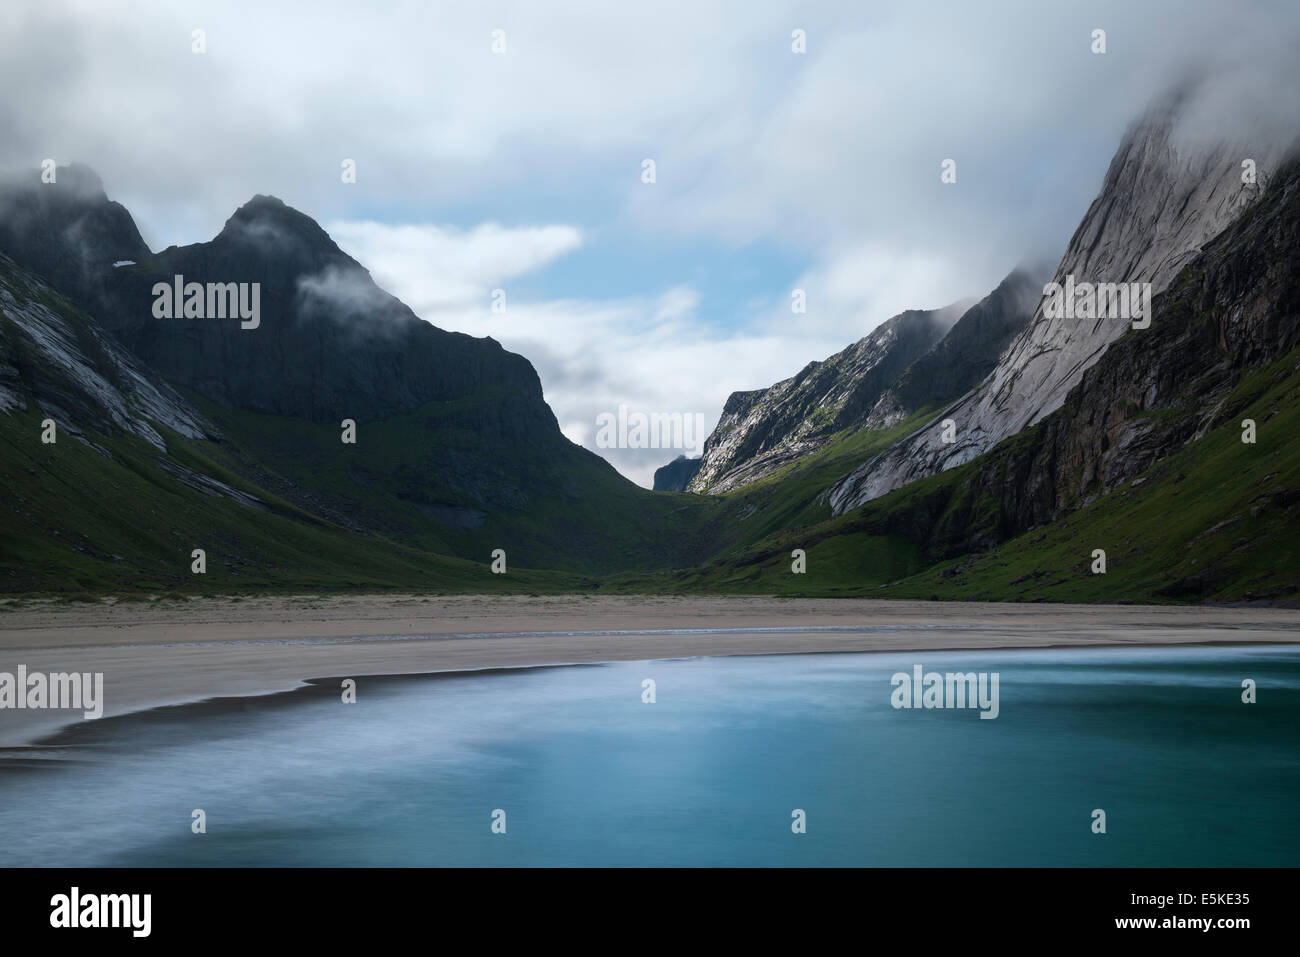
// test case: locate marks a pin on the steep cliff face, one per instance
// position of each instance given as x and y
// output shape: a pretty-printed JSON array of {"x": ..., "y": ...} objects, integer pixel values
[
  {"x": 1231, "y": 312},
  {"x": 968, "y": 353},
  {"x": 762, "y": 430},
  {"x": 67, "y": 231},
  {"x": 1160, "y": 202},
  {"x": 327, "y": 344}
]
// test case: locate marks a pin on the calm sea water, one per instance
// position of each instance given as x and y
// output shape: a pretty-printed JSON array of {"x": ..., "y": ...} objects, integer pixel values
[{"x": 708, "y": 775}]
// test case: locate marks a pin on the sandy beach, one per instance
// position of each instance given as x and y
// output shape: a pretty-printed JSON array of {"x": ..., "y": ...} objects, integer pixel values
[{"x": 173, "y": 652}]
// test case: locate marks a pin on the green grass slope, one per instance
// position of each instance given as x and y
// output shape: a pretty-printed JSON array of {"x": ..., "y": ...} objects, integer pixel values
[
  {"x": 76, "y": 521},
  {"x": 1214, "y": 522}
]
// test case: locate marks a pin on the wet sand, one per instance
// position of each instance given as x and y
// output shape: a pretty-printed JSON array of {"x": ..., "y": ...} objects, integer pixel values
[{"x": 174, "y": 652}]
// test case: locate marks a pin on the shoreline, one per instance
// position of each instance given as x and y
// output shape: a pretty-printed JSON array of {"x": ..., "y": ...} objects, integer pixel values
[
  {"x": 66, "y": 736},
  {"x": 206, "y": 649}
]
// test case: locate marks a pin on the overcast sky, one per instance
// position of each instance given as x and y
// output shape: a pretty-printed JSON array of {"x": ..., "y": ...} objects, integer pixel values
[{"x": 522, "y": 170}]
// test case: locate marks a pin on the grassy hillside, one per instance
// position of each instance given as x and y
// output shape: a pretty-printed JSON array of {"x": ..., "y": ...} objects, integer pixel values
[
  {"x": 1217, "y": 521},
  {"x": 78, "y": 522},
  {"x": 363, "y": 517},
  {"x": 295, "y": 507},
  {"x": 788, "y": 509},
  {"x": 385, "y": 485}
]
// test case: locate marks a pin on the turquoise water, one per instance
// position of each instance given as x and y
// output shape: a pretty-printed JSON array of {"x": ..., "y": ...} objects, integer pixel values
[{"x": 588, "y": 774}]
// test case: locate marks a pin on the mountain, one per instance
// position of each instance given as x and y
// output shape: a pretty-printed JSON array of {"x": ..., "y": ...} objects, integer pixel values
[
  {"x": 456, "y": 453},
  {"x": 1161, "y": 200},
  {"x": 1173, "y": 455},
  {"x": 124, "y": 492},
  {"x": 67, "y": 231},
  {"x": 676, "y": 475},
  {"x": 1148, "y": 456},
  {"x": 763, "y": 430},
  {"x": 1142, "y": 457},
  {"x": 915, "y": 362},
  {"x": 330, "y": 344}
]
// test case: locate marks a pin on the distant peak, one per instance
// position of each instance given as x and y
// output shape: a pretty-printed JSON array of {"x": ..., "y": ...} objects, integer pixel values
[
  {"x": 265, "y": 217},
  {"x": 82, "y": 177},
  {"x": 266, "y": 207},
  {"x": 263, "y": 201},
  {"x": 72, "y": 181}
]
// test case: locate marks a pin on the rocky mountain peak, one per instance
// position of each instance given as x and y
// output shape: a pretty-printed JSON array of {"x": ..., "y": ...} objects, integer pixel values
[
  {"x": 1162, "y": 199},
  {"x": 67, "y": 230},
  {"x": 268, "y": 237}
]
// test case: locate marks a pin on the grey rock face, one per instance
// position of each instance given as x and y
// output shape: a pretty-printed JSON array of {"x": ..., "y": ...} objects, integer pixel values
[
  {"x": 762, "y": 430},
  {"x": 54, "y": 359},
  {"x": 968, "y": 353},
  {"x": 1159, "y": 204},
  {"x": 1154, "y": 393}
]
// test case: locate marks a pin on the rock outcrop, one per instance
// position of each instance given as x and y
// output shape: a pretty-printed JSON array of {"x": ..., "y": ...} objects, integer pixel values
[
  {"x": 762, "y": 430},
  {"x": 54, "y": 360}
]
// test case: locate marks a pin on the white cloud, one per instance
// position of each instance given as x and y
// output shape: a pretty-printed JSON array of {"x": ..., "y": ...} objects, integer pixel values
[
  {"x": 855, "y": 290},
  {"x": 752, "y": 141},
  {"x": 832, "y": 157},
  {"x": 434, "y": 268}
]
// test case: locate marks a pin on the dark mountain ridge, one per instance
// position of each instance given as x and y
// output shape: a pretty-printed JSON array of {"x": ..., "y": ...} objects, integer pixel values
[
  {"x": 329, "y": 344},
  {"x": 456, "y": 451}
]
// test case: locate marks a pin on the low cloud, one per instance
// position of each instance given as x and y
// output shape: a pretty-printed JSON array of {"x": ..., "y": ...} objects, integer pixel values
[
  {"x": 343, "y": 293},
  {"x": 436, "y": 268}
]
